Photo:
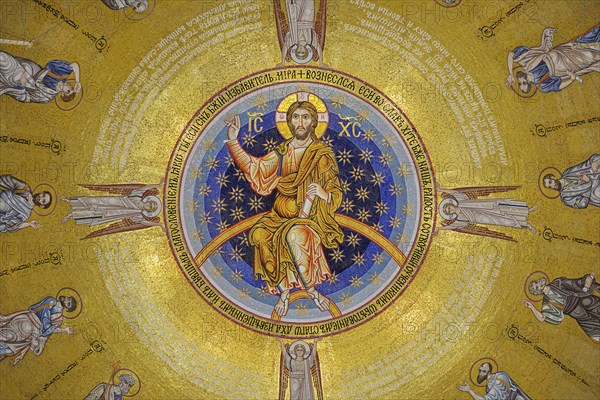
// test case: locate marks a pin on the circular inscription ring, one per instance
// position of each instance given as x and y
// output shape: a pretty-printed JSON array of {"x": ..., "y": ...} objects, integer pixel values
[{"x": 260, "y": 249}]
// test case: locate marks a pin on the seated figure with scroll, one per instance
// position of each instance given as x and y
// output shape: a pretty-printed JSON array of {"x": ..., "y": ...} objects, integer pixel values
[{"x": 288, "y": 241}]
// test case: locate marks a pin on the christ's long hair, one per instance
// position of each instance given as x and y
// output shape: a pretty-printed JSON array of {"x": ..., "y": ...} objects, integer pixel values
[{"x": 312, "y": 110}]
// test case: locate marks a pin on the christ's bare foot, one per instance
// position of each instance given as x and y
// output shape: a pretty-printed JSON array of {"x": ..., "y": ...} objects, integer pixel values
[
  {"x": 321, "y": 301},
  {"x": 531, "y": 228},
  {"x": 281, "y": 308},
  {"x": 532, "y": 209}
]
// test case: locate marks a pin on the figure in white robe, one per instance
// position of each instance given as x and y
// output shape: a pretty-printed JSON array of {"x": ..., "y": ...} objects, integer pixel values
[
  {"x": 139, "y": 6},
  {"x": 300, "y": 365},
  {"x": 17, "y": 203},
  {"x": 498, "y": 386},
  {"x": 26, "y": 81},
  {"x": 553, "y": 69},
  {"x": 138, "y": 207},
  {"x": 107, "y": 391},
  {"x": 579, "y": 186},
  {"x": 462, "y": 211},
  {"x": 30, "y": 329},
  {"x": 301, "y": 36}
]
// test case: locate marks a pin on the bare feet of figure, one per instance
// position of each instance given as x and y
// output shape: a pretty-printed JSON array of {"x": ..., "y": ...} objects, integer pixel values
[
  {"x": 321, "y": 301},
  {"x": 281, "y": 308}
]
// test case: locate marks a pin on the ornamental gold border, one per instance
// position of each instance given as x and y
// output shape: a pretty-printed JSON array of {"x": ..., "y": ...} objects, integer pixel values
[{"x": 190, "y": 264}]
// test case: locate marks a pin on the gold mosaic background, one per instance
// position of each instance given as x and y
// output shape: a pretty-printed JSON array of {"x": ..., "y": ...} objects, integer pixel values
[{"x": 463, "y": 305}]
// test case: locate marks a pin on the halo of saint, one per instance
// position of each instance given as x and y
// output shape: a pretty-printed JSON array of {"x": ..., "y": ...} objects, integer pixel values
[
  {"x": 69, "y": 103},
  {"x": 74, "y": 294},
  {"x": 534, "y": 276},
  {"x": 44, "y": 188},
  {"x": 141, "y": 11},
  {"x": 474, "y": 371},
  {"x": 518, "y": 86},
  {"x": 137, "y": 383},
  {"x": 551, "y": 194}
]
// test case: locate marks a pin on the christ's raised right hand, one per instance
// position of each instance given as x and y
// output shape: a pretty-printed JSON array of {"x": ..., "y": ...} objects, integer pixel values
[{"x": 234, "y": 127}]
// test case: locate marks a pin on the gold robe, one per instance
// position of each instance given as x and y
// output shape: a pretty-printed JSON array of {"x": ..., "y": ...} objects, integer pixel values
[{"x": 274, "y": 259}]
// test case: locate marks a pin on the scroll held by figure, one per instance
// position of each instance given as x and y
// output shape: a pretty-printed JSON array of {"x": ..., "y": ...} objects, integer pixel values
[
  {"x": 464, "y": 211},
  {"x": 578, "y": 298},
  {"x": 288, "y": 246},
  {"x": 135, "y": 206}
]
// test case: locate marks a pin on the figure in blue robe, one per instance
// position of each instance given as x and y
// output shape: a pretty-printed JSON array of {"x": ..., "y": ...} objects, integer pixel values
[
  {"x": 30, "y": 329},
  {"x": 553, "y": 69},
  {"x": 26, "y": 81}
]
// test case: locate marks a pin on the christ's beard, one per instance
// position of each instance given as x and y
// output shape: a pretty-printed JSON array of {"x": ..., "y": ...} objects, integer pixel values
[{"x": 303, "y": 134}]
